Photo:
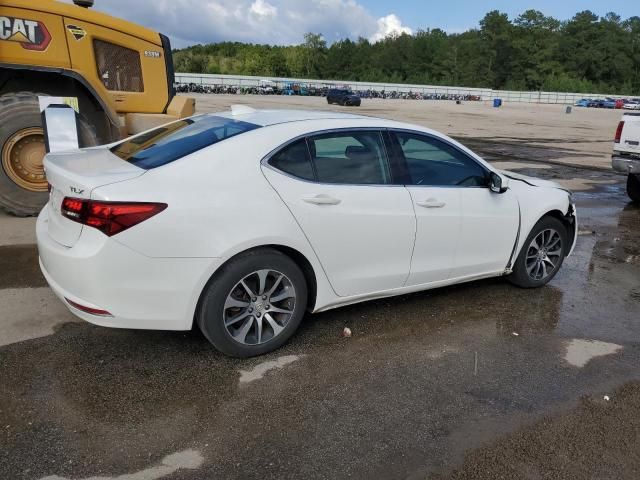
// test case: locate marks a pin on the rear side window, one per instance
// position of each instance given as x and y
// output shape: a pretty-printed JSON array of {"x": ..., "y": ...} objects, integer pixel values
[
  {"x": 353, "y": 157},
  {"x": 173, "y": 141},
  {"x": 294, "y": 159}
]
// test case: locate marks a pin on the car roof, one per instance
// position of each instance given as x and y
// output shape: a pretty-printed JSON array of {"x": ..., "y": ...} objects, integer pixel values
[{"x": 268, "y": 117}]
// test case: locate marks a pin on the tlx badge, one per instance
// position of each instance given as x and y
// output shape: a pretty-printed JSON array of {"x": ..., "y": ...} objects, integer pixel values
[
  {"x": 31, "y": 34},
  {"x": 78, "y": 32}
]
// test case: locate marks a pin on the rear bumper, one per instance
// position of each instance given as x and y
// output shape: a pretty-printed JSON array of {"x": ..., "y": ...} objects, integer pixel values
[
  {"x": 138, "y": 291},
  {"x": 623, "y": 164}
]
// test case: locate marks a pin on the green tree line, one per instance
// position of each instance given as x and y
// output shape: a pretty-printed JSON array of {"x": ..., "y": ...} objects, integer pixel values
[{"x": 531, "y": 52}]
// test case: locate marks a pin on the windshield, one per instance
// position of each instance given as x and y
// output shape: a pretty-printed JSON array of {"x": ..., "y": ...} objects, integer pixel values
[{"x": 170, "y": 142}]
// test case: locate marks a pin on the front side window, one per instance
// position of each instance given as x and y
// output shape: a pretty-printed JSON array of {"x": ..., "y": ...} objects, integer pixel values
[
  {"x": 175, "y": 140},
  {"x": 353, "y": 157},
  {"x": 429, "y": 161},
  {"x": 119, "y": 67}
]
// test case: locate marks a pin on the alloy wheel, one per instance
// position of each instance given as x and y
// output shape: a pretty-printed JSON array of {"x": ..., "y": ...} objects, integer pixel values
[
  {"x": 259, "y": 307},
  {"x": 544, "y": 254}
]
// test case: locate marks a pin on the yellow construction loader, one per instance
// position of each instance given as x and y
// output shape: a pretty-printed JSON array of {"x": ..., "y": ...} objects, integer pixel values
[{"x": 121, "y": 74}]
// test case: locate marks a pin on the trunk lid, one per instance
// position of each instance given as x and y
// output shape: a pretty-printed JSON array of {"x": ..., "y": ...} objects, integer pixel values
[{"x": 76, "y": 174}]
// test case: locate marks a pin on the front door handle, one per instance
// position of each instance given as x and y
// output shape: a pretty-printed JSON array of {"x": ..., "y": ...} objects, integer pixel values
[
  {"x": 321, "y": 199},
  {"x": 431, "y": 203}
]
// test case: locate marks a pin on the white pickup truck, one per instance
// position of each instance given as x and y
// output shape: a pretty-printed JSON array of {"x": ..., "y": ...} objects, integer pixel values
[{"x": 626, "y": 153}]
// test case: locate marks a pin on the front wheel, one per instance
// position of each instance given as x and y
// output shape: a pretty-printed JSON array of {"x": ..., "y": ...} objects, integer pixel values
[
  {"x": 633, "y": 187},
  {"x": 254, "y": 304},
  {"x": 542, "y": 254}
]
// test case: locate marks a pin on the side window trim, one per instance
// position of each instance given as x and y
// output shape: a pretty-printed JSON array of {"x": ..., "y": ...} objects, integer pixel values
[
  {"x": 399, "y": 155},
  {"x": 266, "y": 161},
  {"x": 397, "y": 164}
]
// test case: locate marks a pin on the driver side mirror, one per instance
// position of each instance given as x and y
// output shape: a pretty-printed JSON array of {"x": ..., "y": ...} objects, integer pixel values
[{"x": 497, "y": 183}]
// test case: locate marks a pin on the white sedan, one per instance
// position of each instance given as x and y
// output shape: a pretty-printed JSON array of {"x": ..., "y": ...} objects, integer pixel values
[{"x": 242, "y": 221}]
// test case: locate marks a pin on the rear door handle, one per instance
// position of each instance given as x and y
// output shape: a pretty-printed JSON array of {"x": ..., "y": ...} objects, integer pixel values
[
  {"x": 321, "y": 199},
  {"x": 431, "y": 203}
]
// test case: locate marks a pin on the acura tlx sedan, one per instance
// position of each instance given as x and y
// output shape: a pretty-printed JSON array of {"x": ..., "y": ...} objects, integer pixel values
[{"x": 243, "y": 220}]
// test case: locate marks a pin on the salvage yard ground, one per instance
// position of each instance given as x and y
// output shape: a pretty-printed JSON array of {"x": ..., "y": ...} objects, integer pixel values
[{"x": 476, "y": 381}]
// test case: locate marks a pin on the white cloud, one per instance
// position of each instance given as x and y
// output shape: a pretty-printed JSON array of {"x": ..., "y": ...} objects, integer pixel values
[
  {"x": 389, "y": 25},
  {"x": 263, "y": 9},
  {"x": 282, "y": 22}
]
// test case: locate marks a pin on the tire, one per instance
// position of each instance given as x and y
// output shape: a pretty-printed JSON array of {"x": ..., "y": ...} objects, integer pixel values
[
  {"x": 520, "y": 275},
  {"x": 217, "y": 322},
  {"x": 633, "y": 187},
  {"x": 329, "y": 101},
  {"x": 20, "y": 114}
]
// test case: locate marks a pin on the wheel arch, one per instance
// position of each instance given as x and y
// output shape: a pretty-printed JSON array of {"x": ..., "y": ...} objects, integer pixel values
[
  {"x": 567, "y": 219},
  {"x": 298, "y": 258}
]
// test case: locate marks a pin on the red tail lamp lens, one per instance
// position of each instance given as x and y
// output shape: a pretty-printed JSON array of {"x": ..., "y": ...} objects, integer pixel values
[{"x": 109, "y": 217}]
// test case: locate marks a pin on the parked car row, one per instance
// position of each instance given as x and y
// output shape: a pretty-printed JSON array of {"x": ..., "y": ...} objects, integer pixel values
[
  {"x": 294, "y": 88},
  {"x": 618, "y": 103}
]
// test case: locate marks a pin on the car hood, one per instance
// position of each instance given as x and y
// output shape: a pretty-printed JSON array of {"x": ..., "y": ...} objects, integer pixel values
[{"x": 536, "y": 182}]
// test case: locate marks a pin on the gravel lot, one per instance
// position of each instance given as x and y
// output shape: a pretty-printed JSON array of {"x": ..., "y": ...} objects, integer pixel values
[{"x": 477, "y": 381}]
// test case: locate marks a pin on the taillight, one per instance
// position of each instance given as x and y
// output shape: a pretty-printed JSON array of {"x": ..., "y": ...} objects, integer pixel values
[
  {"x": 619, "y": 132},
  {"x": 109, "y": 217}
]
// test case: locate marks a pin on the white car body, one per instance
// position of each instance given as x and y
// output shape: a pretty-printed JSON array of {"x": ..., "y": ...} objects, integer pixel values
[{"x": 225, "y": 199}]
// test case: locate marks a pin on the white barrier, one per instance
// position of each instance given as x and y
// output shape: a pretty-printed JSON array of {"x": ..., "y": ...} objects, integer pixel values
[{"x": 485, "y": 94}]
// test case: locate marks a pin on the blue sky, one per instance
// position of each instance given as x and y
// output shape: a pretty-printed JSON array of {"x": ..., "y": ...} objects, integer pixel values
[
  {"x": 285, "y": 22},
  {"x": 456, "y": 15}
]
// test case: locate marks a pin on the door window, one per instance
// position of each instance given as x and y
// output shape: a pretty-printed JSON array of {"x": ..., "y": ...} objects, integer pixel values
[
  {"x": 354, "y": 157},
  {"x": 429, "y": 161}
]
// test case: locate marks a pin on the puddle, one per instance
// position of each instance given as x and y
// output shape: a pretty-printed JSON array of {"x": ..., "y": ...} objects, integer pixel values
[
  {"x": 580, "y": 351},
  {"x": 189, "y": 459},
  {"x": 257, "y": 372}
]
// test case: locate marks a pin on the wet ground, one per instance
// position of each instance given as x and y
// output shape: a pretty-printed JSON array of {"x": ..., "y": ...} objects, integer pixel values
[{"x": 477, "y": 381}]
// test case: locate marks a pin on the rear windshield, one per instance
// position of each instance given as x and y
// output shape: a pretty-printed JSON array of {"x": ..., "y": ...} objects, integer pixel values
[{"x": 173, "y": 141}]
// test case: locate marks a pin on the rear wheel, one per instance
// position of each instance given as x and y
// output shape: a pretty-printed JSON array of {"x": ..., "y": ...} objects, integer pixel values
[
  {"x": 253, "y": 304},
  {"x": 23, "y": 186},
  {"x": 542, "y": 254},
  {"x": 633, "y": 187}
]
